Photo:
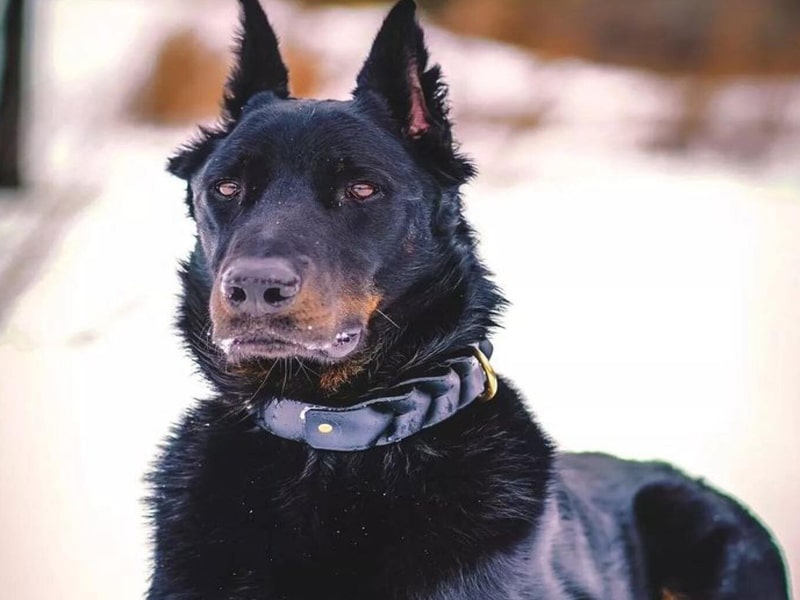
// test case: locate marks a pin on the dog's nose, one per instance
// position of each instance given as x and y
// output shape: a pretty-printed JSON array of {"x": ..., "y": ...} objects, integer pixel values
[{"x": 258, "y": 287}]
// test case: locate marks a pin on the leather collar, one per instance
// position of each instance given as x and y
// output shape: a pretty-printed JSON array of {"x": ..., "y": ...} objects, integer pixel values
[{"x": 400, "y": 412}]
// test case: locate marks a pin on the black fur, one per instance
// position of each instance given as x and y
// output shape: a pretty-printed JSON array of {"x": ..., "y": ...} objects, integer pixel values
[{"x": 479, "y": 506}]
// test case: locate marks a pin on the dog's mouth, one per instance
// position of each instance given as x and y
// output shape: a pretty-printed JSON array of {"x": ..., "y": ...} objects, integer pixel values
[{"x": 272, "y": 346}]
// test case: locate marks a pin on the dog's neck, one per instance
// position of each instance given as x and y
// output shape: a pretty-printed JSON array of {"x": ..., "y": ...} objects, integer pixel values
[{"x": 452, "y": 308}]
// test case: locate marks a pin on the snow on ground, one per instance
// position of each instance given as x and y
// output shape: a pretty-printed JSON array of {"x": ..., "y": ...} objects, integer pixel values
[{"x": 656, "y": 301}]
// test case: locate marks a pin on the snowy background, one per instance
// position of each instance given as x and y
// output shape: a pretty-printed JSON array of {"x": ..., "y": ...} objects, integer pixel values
[{"x": 655, "y": 297}]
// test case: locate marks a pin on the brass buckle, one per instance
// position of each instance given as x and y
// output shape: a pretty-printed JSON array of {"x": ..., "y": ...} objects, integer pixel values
[{"x": 490, "y": 390}]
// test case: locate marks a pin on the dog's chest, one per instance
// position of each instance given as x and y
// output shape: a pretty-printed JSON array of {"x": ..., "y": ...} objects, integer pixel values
[
  {"x": 242, "y": 510},
  {"x": 331, "y": 529}
]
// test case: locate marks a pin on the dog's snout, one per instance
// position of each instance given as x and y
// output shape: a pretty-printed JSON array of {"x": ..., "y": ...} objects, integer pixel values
[{"x": 258, "y": 287}]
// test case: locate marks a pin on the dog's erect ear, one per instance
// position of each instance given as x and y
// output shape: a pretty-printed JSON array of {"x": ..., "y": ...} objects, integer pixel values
[
  {"x": 396, "y": 70},
  {"x": 259, "y": 67}
]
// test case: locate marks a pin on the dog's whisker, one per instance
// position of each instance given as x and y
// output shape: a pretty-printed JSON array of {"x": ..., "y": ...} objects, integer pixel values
[
  {"x": 254, "y": 396},
  {"x": 285, "y": 364},
  {"x": 308, "y": 368},
  {"x": 303, "y": 370},
  {"x": 385, "y": 316}
]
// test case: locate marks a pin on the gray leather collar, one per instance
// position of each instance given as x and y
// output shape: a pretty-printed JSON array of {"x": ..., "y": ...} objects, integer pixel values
[{"x": 400, "y": 412}]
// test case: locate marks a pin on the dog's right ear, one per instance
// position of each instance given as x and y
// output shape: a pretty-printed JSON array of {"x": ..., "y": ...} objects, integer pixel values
[{"x": 259, "y": 66}]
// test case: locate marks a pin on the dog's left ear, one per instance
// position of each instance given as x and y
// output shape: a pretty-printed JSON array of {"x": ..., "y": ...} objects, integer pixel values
[{"x": 396, "y": 70}]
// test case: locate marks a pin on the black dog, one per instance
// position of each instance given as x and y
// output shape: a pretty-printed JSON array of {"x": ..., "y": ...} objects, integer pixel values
[{"x": 358, "y": 445}]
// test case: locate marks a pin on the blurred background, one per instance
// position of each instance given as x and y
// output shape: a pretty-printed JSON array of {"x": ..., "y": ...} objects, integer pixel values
[{"x": 639, "y": 202}]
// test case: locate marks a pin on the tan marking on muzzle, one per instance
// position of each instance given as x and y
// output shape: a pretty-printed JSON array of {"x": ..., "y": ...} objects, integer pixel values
[
  {"x": 217, "y": 307},
  {"x": 361, "y": 306},
  {"x": 334, "y": 376}
]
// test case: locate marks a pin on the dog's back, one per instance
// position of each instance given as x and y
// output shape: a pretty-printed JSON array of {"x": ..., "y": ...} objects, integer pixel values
[{"x": 631, "y": 530}]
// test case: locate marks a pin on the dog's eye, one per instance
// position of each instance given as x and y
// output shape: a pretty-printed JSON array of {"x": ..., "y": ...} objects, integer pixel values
[
  {"x": 361, "y": 191},
  {"x": 227, "y": 188}
]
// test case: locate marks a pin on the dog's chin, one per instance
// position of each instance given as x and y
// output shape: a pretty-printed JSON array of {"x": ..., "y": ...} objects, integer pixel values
[{"x": 247, "y": 348}]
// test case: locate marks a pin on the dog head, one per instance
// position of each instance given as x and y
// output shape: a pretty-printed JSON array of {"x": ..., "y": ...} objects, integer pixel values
[{"x": 316, "y": 217}]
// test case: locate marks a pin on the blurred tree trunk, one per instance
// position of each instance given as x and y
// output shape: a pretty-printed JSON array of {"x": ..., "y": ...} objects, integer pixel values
[{"x": 10, "y": 92}]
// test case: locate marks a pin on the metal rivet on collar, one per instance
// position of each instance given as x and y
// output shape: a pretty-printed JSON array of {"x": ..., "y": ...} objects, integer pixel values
[{"x": 325, "y": 428}]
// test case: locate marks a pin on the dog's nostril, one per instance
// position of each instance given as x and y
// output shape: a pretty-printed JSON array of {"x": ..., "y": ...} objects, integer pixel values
[
  {"x": 236, "y": 295},
  {"x": 279, "y": 293},
  {"x": 274, "y": 295}
]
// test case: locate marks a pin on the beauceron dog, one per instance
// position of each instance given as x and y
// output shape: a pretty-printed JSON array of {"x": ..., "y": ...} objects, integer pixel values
[{"x": 358, "y": 444}]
